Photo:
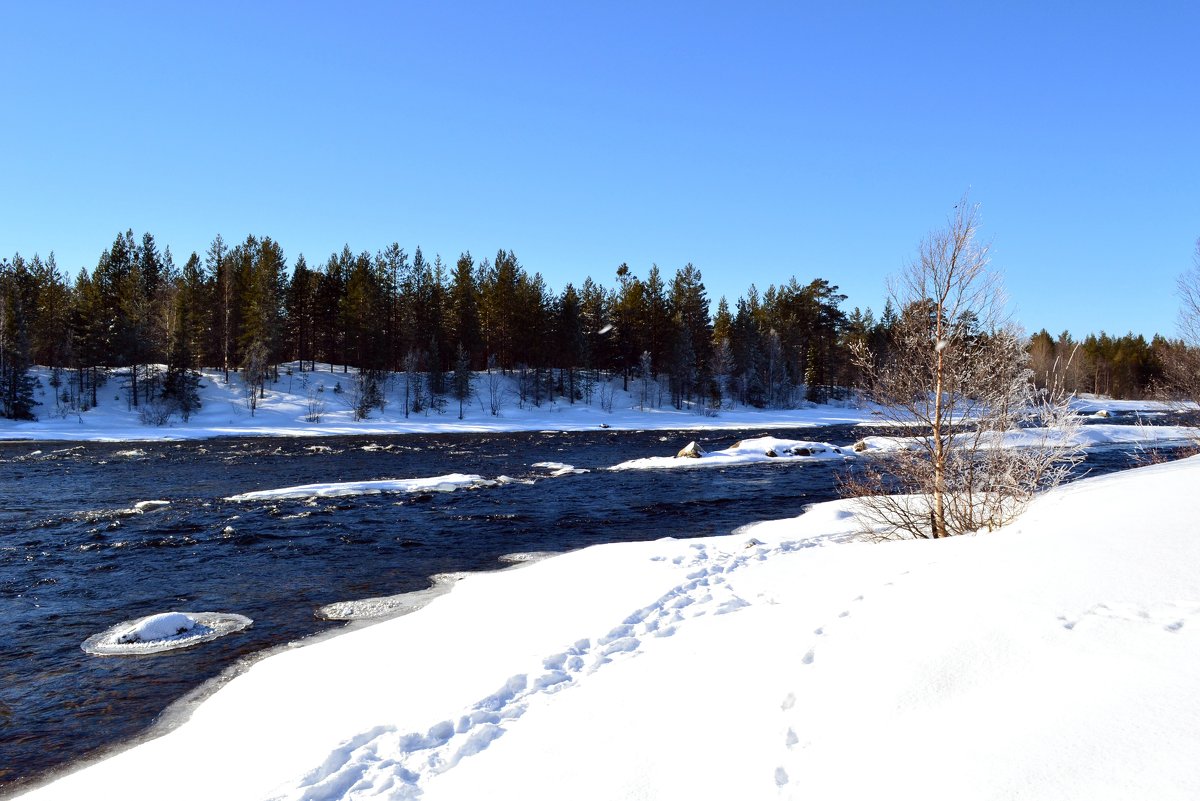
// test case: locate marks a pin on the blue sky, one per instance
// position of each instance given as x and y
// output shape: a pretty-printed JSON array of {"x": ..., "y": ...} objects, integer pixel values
[{"x": 756, "y": 140}]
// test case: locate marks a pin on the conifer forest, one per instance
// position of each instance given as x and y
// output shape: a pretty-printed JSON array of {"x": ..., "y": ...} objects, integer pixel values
[{"x": 242, "y": 308}]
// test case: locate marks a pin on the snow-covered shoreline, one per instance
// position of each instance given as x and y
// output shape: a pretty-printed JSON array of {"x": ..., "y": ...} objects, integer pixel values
[
  {"x": 288, "y": 411},
  {"x": 289, "y": 405},
  {"x": 1054, "y": 658}
]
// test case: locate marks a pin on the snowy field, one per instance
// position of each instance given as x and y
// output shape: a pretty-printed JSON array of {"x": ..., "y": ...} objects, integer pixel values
[{"x": 1053, "y": 659}]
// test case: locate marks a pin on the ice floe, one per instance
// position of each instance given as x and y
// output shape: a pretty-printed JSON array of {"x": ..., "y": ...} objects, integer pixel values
[
  {"x": 446, "y": 483},
  {"x": 165, "y": 631},
  {"x": 746, "y": 451},
  {"x": 559, "y": 468},
  {"x": 390, "y": 605}
]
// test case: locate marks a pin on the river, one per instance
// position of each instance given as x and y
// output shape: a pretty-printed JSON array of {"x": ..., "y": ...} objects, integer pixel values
[{"x": 76, "y": 557}]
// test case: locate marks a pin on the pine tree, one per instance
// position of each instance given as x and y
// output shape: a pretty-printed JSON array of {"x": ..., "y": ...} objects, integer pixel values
[
  {"x": 568, "y": 336},
  {"x": 181, "y": 386},
  {"x": 462, "y": 378},
  {"x": 464, "y": 309},
  {"x": 220, "y": 274},
  {"x": 16, "y": 384}
]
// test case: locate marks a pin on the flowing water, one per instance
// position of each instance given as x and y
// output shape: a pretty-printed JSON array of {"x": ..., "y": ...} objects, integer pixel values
[{"x": 76, "y": 556}]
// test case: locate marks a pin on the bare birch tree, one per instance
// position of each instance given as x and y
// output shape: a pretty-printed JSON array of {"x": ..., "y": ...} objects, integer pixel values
[
  {"x": 957, "y": 376},
  {"x": 1182, "y": 360}
]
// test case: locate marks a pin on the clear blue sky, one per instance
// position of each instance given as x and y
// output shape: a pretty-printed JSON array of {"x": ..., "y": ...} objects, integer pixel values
[{"x": 757, "y": 141}]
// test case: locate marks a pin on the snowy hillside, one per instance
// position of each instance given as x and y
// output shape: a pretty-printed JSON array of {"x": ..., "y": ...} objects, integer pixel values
[{"x": 1053, "y": 659}]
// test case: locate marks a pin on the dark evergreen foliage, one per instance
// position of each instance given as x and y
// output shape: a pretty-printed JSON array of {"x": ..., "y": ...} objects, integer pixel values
[{"x": 243, "y": 308}]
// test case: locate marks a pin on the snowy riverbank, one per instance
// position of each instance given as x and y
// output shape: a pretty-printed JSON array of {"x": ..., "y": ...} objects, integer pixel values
[
  {"x": 315, "y": 404},
  {"x": 1053, "y": 659}
]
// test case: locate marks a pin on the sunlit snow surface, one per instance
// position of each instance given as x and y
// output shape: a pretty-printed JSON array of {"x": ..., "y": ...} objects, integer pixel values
[
  {"x": 1090, "y": 436},
  {"x": 747, "y": 451},
  {"x": 409, "y": 602},
  {"x": 559, "y": 468},
  {"x": 165, "y": 631},
  {"x": 446, "y": 483}
]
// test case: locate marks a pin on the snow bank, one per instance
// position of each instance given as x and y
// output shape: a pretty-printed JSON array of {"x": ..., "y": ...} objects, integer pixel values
[
  {"x": 746, "y": 451},
  {"x": 1089, "y": 436},
  {"x": 287, "y": 410},
  {"x": 1053, "y": 659},
  {"x": 446, "y": 483}
]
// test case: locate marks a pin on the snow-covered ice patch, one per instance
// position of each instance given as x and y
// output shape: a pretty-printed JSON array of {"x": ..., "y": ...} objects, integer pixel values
[
  {"x": 390, "y": 605},
  {"x": 559, "y": 468},
  {"x": 446, "y": 483},
  {"x": 133, "y": 453},
  {"x": 526, "y": 557},
  {"x": 165, "y": 631},
  {"x": 746, "y": 451}
]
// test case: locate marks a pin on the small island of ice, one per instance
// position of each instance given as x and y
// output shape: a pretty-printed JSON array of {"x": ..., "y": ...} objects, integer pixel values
[
  {"x": 158, "y": 627},
  {"x": 746, "y": 451},
  {"x": 165, "y": 631},
  {"x": 446, "y": 483}
]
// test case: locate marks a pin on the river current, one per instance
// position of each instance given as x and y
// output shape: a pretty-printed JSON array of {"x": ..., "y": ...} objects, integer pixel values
[{"x": 77, "y": 556}]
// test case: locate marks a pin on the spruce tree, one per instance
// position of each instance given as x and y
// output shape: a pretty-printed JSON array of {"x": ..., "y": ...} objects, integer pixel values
[{"x": 16, "y": 383}]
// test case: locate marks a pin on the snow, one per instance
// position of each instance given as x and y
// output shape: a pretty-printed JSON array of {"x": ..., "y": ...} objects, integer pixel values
[
  {"x": 391, "y": 605},
  {"x": 746, "y": 451},
  {"x": 158, "y": 627},
  {"x": 447, "y": 483},
  {"x": 1089, "y": 436},
  {"x": 559, "y": 468},
  {"x": 1052, "y": 659},
  {"x": 285, "y": 411},
  {"x": 164, "y": 631}
]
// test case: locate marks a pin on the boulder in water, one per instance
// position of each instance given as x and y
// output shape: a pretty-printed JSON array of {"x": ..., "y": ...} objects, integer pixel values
[{"x": 691, "y": 451}]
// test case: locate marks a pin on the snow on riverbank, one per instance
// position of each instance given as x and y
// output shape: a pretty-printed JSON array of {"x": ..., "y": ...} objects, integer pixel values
[
  {"x": 312, "y": 404},
  {"x": 1089, "y": 436},
  {"x": 1052, "y": 659}
]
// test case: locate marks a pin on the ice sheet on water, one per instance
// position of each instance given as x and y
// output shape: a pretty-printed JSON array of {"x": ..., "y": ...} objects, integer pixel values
[
  {"x": 446, "y": 483},
  {"x": 748, "y": 451},
  {"x": 559, "y": 468},
  {"x": 389, "y": 605},
  {"x": 165, "y": 631},
  {"x": 526, "y": 557}
]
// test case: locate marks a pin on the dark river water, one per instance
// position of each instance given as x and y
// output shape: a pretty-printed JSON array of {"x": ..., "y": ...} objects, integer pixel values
[{"x": 74, "y": 560}]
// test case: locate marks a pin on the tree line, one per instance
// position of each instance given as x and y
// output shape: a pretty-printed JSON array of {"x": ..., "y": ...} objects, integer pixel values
[{"x": 242, "y": 308}]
